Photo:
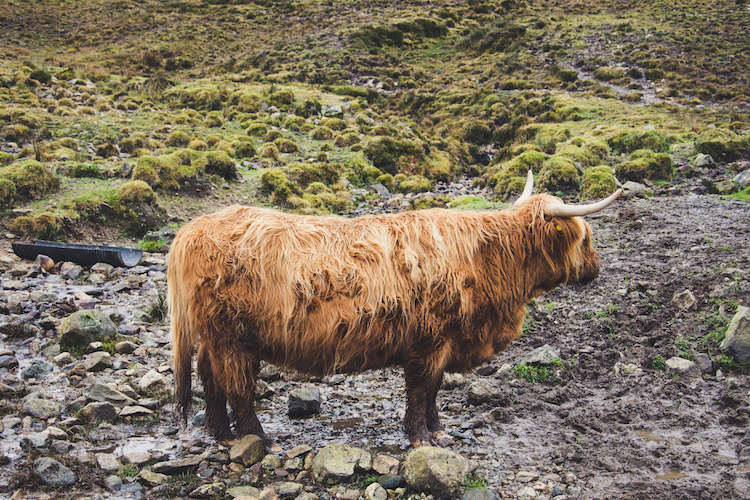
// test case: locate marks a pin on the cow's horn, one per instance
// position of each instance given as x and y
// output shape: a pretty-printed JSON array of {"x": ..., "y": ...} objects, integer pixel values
[
  {"x": 562, "y": 210},
  {"x": 527, "y": 189}
]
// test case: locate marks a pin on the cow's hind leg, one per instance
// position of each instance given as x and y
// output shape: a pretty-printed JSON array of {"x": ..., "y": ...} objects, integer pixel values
[
  {"x": 217, "y": 420},
  {"x": 433, "y": 419}
]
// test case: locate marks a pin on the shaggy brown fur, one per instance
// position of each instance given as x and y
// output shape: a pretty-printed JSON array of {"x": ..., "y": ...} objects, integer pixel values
[{"x": 431, "y": 291}]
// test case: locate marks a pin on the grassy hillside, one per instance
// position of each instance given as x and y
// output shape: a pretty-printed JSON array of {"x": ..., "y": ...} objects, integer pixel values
[{"x": 136, "y": 114}]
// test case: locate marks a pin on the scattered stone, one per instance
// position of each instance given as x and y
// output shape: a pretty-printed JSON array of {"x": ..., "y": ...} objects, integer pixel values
[
  {"x": 86, "y": 326},
  {"x": 35, "y": 441},
  {"x": 53, "y": 473},
  {"x": 704, "y": 362},
  {"x": 381, "y": 191},
  {"x": 38, "y": 368},
  {"x": 391, "y": 481},
  {"x": 135, "y": 411},
  {"x": 249, "y": 450},
  {"x": 624, "y": 369},
  {"x": 683, "y": 300},
  {"x": 98, "y": 412},
  {"x": 113, "y": 482},
  {"x": 8, "y": 361},
  {"x": 179, "y": 466},
  {"x": 41, "y": 408},
  {"x": 435, "y": 470},
  {"x": 243, "y": 491},
  {"x": 375, "y": 492},
  {"x": 101, "y": 392},
  {"x": 338, "y": 462},
  {"x": 63, "y": 359},
  {"x": 304, "y": 401},
  {"x": 544, "y": 355},
  {"x": 70, "y": 270},
  {"x": 153, "y": 380},
  {"x": 684, "y": 366},
  {"x": 298, "y": 450},
  {"x": 736, "y": 342},
  {"x": 633, "y": 189},
  {"x": 97, "y": 361},
  {"x": 385, "y": 464},
  {"x": 743, "y": 178},
  {"x": 125, "y": 347},
  {"x": 108, "y": 462},
  {"x": 479, "y": 494},
  {"x": 486, "y": 391},
  {"x": 526, "y": 492},
  {"x": 150, "y": 478},
  {"x": 213, "y": 490},
  {"x": 703, "y": 160},
  {"x": 288, "y": 489}
]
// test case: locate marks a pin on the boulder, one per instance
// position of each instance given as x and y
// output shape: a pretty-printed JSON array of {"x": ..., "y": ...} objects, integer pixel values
[
  {"x": 53, "y": 473},
  {"x": 248, "y": 450},
  {"x": 435, "y": 470},
  {"x": 103, "y": 393},
  {"x": 338, "y": 462},
  {"x": 736, "y": 342},
  {"x": 304, "y": 401},
  {"x": 86, "y": 326}
]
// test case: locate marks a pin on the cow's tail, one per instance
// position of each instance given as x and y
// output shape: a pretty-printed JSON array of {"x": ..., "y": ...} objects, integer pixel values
[{"x": 183, "y": 341}]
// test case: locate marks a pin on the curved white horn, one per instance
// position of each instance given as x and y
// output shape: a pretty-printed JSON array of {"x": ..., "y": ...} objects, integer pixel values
[
  {"x": 562, "y": 210},
  {"x": 527, "y": 189}
]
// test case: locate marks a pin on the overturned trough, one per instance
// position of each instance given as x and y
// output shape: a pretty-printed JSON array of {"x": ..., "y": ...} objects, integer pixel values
[{"x": 85, "y": 255}]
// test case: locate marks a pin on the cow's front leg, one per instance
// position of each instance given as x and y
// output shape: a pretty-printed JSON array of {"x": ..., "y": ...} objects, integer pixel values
[
  {"x": 439, "y": 436},
  {"x": 217, "y": 420},
  {"x": 419, "y": 389}
]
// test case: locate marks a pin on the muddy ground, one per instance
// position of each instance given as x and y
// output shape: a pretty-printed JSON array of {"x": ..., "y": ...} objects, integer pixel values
[{"x": 611, "y": 422}]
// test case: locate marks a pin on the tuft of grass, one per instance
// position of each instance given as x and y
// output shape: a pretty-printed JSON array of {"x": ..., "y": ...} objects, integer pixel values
[
  {"x": 658, "y": 363},
  {"x": 474, "y": 482}
]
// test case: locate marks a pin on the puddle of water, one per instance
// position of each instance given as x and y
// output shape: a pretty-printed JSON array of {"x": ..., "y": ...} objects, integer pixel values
[
  {"x": 649, "y": 436},
  {"x": 672, "y": 475},
  {"x": 346, "y": 423}
]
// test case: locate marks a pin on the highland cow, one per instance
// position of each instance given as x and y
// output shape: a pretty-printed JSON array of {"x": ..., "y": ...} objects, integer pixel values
[{"x": 431, "y": 291}]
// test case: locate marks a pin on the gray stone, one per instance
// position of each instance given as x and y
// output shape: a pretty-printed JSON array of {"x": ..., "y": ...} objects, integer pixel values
[
  {"x": 8, "y": 361},
  {"x": 683, "y": 300},
  {"x": 135, "y": 411},
  {"x": 41, "y": 408},
  {"x": 486, "y": 391},
  {"x": 479, "y": 494},
  {"x": 300, "y": 449},
  {"x": 53, "y": 473},
  {"x": 544, "y": 355},
  {"x": 243, "y": 491},
  {"x": 35, "y": 441},
  {"x": 391, "y": 481},
  {"x": 86, "y": 326},
  {"x": 736, "y": 342},
  {"x": 248, "y": 450},
  {"x": 213, "y": 490},
  {"x": 684, "y": 366},
  {"x": 385, "y": 464},
  {"x": 70, "y": 270},
  {"x": 704, "y": 362},
  {"x": 103, "y": 268},
  {"x": 125, "y": 347},
  {"x": 375, "y": 492},
  {"x": 304, "y": 401},
  {"x": 108, "y": 462},
  {"x": 632, "y": 189},
  {"x": 288, "y": 489},
  {"x": 99, "y": 412},
  {"x": 63, "y": 359},
  {"x": 435, "y": 470},
  {"x": 338, "y": 462},
  {"x": 334, "y": 110},
  {"x": 178, "y": 466},
  {"x": 743, "y": 179},
  {"x": 153, "y": 380},
  {"x": 703, "y": 160},
  {"x": 381, "y": 190},
  {"x": 150, "y": 478},
  {"x": 104, "y": 393},
  {"x": 113, "y": 482},
  {"x": 97, "y": 361},
  {"x": 38, "y": 368}
]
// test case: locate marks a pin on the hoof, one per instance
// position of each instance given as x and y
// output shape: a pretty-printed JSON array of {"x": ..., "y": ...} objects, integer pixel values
[
  {"x": 442, "y": 438},
  {"x": 229, "y": 442},
  {"x": 418, "y": 443}
]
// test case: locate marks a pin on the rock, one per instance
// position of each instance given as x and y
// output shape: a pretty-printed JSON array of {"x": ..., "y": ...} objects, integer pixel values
[
  {"x": 97, "y": 361},
  {"x": 334, "y": 110},
  {"x": 479, "y": 494},
  {"x": 150, "y": 478},
  {"x": 338, "y": 462},
  {"x": 56, "y": 433},
  {"x": 633, "y": 189},
  {"x": 526, "y": 492},
  {"x": 381, "y": 191},
  {"x": 544, "y": 355},
  {"x": 102, "y": 268},
  {"x": 270, "y": 463},
  {"x": 53, "y": 473},
  {"x": 288, "y": 489},
  {"x": 113, "y": 482},
  {"x": 70, "y": 270},
  {"x": 8, "y": 361},
  {"x": 298, "y": 450},
  {"x": 35, "y": 441},
  {"x": 153, "y": 380},
  {"x": 743, "y": 179},
  {"x": 725, "y": 187},
  {"x": 63, "y": 359},
  {"x": 391, "y": 481},
  {"x": 249, "y": 450},
  {"x": 178, "y": 466},
  {"x": 98, "y": 412},
  {"x": 385, "y": 464},
  {"x": 704, "y": 362},
  {"x": 486, "y": 391},
  {"x": 304, "y": 401},
  {"x": 86, "y": 326},
  {"x": 683, "y": 300},
  {"x": 703, "y": 160},
  {"x": 375, "y": 492},
  {"x": 135, "y": 411},
  {"x": 213, "y": 490},
  {"x": 736, "y": 342},
  {"x": 104, "y": 393},
  {"x": 435, "y": 470},
  {"x": 243, "y": 491},
  {"x": 125, "y": 347},
  {"x": 41, "y": 408},
  {"x": 108, "y": 462},
  {"x": 684, "y": 366},
  {"x": 38, "y": 368}
]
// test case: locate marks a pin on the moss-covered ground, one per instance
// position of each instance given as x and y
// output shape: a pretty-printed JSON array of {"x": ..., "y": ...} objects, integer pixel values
[{"x": 204, "y": 99}]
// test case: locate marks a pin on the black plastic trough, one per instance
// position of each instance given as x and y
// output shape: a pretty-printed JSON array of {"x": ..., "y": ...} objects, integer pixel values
[{"x": 85, "y": 255}]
